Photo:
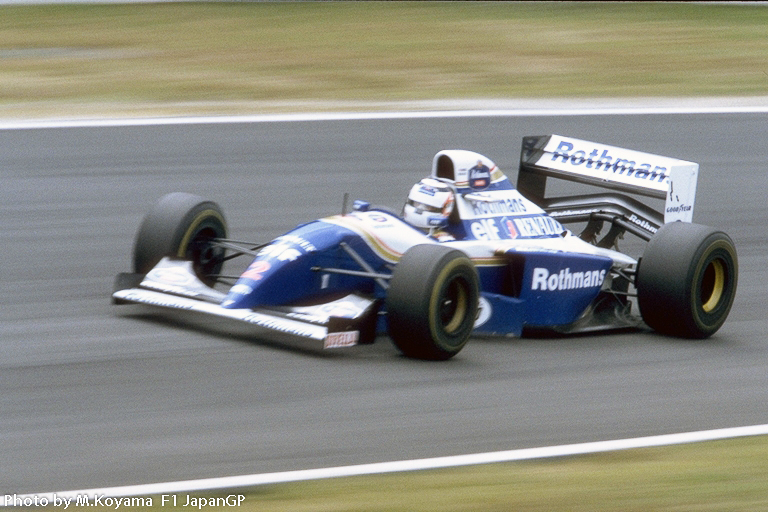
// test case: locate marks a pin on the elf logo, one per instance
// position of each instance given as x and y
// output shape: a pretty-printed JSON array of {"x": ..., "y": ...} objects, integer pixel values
[{"x": 565, "y": 279}]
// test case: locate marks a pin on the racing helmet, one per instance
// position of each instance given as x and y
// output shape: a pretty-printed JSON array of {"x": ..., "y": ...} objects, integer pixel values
[{"x": 429, "y": 204}]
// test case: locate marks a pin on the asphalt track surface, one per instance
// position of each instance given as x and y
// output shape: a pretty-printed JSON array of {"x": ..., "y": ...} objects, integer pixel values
[{"x": 94, "y": 395}]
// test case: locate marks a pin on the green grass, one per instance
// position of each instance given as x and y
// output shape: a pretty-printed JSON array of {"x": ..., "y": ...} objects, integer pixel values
[
  {"x": 727, "y": 476},
  {"x": 231, "y": 57}
]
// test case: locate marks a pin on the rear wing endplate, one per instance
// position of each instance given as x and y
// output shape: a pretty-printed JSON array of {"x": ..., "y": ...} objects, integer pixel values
[{"x": 609, "y": 167}]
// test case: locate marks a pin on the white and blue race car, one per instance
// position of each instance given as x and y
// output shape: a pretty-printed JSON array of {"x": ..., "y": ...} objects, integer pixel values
[{"x": 470, "y": 255}]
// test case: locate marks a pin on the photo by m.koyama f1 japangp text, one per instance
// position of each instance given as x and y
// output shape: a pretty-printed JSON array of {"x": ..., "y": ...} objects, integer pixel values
[{"x": 470, "y": 254}]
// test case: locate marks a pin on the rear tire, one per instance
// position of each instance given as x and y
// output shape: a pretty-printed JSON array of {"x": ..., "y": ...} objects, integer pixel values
[
  {"x": 182, "y": 225},
  {"x": 686, "y": 280},
  {"x": 432, "y": 302}
]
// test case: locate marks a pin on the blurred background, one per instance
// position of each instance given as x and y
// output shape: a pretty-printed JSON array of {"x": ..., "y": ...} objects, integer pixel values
[
  {"x": 245, "y": 57},
  {"x": 91, "y": 397}
]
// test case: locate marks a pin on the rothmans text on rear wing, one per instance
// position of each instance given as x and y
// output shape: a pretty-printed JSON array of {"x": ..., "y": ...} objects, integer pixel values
[{"x": 608, "y": 167}]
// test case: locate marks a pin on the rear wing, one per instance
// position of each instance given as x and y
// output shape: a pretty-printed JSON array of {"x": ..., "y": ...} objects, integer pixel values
[{"x": 610, "y": 167}]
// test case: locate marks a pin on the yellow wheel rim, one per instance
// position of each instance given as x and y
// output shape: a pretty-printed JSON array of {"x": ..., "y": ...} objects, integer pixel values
[
  {"x": 714, "y": 278},
  {"x": 460, "y": 309},
  {"x": 193, "y": 227}
]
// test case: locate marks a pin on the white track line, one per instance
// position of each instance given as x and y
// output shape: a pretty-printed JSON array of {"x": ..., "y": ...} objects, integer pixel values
[
  {"x": 353, "y": 116},
  {"x": 234, "y": 482}
]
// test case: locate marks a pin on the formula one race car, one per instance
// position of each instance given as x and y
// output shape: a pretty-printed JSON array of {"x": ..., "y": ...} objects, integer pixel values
[{"x": 471, "y": 254}]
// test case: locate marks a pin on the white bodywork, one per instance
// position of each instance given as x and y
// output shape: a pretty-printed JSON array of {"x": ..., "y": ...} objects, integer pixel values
[{"x": 645, "y": 173}]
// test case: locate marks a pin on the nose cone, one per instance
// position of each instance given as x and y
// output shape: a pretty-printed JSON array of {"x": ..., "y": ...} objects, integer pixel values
[{"x": 281, "y": 273}]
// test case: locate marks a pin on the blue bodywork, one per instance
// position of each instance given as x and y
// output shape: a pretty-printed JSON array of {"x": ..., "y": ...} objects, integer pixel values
[
  {"x": 520, "y": 287},
  {"x": 532, "y": 271},
  {"x": 282, "y": 273}
]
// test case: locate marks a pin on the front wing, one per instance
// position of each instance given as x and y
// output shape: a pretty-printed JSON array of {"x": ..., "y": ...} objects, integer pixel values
[{"x": 172, "y": 284}]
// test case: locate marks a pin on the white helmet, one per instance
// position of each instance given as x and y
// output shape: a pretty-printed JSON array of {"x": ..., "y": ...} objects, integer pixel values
[{"x": 429, "y": 204}]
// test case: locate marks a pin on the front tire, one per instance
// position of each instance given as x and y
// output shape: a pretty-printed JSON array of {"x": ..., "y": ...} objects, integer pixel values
[
  {"x": 182, "y": 225},
  {"x": 686, "y": 280},
  {"x": 432, "y": 302}
]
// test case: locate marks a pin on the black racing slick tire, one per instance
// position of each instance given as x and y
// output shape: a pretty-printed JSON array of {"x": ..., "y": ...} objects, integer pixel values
[
  {"x": 686, "y": 280},
  {"x": 182, "y": 225},
  {"x": 432, "y": 302}
]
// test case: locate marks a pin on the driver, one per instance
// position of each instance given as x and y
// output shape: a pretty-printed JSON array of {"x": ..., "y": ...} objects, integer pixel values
[{"x": 429, "y": 205}]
